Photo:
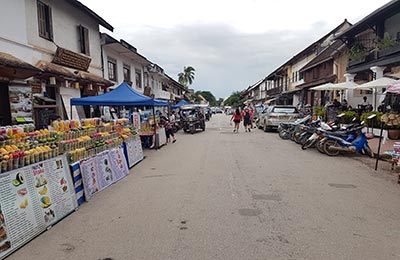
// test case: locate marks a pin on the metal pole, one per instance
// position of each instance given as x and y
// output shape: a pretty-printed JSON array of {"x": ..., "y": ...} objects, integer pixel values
[
  {"x": 71, "y": 111},
  {"x": 379, "y": 147},
  {"x": 155, "y": 128}
]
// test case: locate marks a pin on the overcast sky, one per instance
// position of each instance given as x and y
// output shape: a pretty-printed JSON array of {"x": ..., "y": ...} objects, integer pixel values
[{"x": 231, "y": 43}]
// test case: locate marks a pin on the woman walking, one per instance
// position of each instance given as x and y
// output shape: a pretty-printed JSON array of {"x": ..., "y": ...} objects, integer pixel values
[{"x": 236, "y": 117}]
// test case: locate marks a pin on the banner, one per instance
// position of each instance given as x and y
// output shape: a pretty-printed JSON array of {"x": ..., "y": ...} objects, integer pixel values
[
  {"x": 102, "y": 170},
  {"x": 33, "y": 198},
  {"x": 89, "y": 177},
  {"x": 134, "y": 151}
]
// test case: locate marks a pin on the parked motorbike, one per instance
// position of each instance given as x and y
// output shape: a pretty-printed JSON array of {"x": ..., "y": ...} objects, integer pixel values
[
  {"x": 356, "y": 141},
  {"x": 285, "y": 130}
]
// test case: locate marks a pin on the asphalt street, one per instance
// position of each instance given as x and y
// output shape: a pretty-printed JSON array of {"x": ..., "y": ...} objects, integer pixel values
[{"x": 220, "y": 195}]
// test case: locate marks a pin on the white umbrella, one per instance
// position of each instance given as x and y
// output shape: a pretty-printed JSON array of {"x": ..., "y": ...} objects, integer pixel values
[
  {"x": 337, "y": 86},
  {"x": 322, "y": 87},
  {"x": 377, "y": 84},
  {"x": 380, "y": 83}
]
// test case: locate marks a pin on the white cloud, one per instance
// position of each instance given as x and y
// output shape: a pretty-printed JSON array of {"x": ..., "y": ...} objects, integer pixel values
[{"x": 231, "y": 43}]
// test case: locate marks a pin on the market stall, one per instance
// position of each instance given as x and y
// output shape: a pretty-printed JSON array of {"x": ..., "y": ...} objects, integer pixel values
[
  {"x": 125, "y": 95},
  {"x": 180, "y": 103}
]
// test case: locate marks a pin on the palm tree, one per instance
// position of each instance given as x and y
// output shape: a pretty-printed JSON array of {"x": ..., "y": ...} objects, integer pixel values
[{"x": 187, "y": 76}]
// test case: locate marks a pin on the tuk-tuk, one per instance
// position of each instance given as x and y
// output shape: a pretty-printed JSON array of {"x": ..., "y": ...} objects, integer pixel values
[{"x": 192, "y": 118}]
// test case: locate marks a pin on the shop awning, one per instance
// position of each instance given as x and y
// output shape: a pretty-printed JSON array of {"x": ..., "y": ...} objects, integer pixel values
[
  {"x": 93, "y": 78},
  {"x": 180, "y": 103},
  {"x": 123, "y": 95},
  {"x": 12, "y": 67},
  {"x": 56, "y": 70}
]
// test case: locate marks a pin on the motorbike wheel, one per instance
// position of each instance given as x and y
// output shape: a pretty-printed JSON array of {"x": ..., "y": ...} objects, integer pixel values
[
  {"x": 308, "y": 143},
  {"x": 368, "y": 151},
  {"x": 327, "y": 146},
  {"x": 192, "y": 130},
  {"x": 284, "y": 134},
  {"x": 297, "y": 137},
  {"x": 320, "y": 146}
]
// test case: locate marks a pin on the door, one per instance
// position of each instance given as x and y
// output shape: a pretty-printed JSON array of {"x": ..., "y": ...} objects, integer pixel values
[{"x": 5, "y": 112}]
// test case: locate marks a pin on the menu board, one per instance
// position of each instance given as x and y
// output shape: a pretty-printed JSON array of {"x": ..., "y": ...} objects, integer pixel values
[
  {"x": 118, "y": 161},
  {"x": 89, "y": 177},
  {"x": 134, "y": 151},
  {"x": 102, "y": 170},
  {"x": 105, "y": 171},
  {"x": 33, "y": 198}
]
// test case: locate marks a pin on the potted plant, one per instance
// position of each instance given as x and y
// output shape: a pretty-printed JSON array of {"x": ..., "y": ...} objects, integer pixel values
[
  {"x": 357, "y": 53},
  {"x": 319, "y": 111},
  {"x": 392, "y": 123},
  {"x": 387, "y": 46}
]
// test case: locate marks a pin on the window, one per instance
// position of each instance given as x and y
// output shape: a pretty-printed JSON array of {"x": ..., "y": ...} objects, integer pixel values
[
  {"x": 84, "y": 39},
  {"x": 112, "y": 69},
  {"x": 301, "y": 75},
  {"x": 44, "y": 21},
  {"x": 138, "y": 75},
  {"x": 127, "y": 73}
]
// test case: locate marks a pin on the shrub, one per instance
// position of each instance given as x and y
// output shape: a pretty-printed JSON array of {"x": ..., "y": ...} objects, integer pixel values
[
  {"x": 320, "y": 112},
  {"x": 376, "y": 122},
  {"x": 349, "y": 116}
]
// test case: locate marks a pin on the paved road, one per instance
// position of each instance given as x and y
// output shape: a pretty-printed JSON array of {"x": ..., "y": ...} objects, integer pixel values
[{"x": 219, "y": 195}]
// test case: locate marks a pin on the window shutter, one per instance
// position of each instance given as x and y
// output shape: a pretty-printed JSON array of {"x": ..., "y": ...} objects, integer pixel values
[
  {"x": 80, "y": 37},
  {"x": 50, "y": 23},
  {"x": 86, "y": 40},
  {"x": 41, "y": 19}
]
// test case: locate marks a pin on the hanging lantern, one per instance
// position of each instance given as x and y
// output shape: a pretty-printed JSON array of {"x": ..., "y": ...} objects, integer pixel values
[{"x": 76, "y": 85}]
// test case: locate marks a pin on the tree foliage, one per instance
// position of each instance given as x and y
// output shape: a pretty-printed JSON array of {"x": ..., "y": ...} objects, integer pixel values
[
  {"x": 208, "y": 96},
  {"x": 234, "y": 100},
  {"x": 186, "y": 77}
]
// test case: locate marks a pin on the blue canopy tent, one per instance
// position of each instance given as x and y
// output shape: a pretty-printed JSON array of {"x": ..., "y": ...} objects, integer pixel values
[
  {"x": 123, "y": 95},
  {"x": 180, "y": 103}
]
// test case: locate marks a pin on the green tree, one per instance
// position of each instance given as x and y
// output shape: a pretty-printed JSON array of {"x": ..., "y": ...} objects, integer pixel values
[
  {"x": 208, "y": 96},
  {"x": 220, "y": 101},
  {"x": 234, "y": 100},
  {"x": 186, "y": 77}
]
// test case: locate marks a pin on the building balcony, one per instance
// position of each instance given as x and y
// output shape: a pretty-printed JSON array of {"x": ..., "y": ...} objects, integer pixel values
[{"x": 161, "y": 94}]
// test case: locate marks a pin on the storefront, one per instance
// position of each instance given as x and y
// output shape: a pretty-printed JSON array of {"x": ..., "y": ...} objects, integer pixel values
[{"x": 15, "y": 92}]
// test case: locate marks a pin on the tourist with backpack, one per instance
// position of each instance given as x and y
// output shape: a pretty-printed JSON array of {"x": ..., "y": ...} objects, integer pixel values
[
  {"x": 247, "y": 119},
  {"x": 236, "y": 117}
]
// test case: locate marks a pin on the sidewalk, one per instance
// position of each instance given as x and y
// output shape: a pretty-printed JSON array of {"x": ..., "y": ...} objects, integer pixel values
[{"x": 388, "y": 145}]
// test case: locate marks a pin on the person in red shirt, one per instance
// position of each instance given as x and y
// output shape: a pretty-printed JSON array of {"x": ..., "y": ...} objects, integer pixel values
[{"x": 236, "y": 117}]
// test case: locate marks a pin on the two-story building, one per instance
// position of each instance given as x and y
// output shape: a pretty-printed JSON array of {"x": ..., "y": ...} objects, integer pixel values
[
  {"x": 123, "y": 63},
  {"x": 374, "y": 47},
  {"x": 289, "y": 84},
  {"x": 62, "y": 40}
]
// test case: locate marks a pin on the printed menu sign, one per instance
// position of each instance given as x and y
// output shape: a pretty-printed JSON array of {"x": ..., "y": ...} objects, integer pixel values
[
  {"x": 105, "y": 170},
  {"x": 119, "y": 161},
  {"x": 102, "y": 170},
  {"x": 33, "y": 198},
  {"x": 134, "y": 151},
  {"x": 89, "y": 177}
]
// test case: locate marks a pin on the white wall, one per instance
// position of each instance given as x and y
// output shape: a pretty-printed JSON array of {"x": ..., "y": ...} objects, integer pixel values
[
  {"x": 65, "y": 20},
  {"x": 121, "y": 60},
  {"x": 297, "y": 67}
]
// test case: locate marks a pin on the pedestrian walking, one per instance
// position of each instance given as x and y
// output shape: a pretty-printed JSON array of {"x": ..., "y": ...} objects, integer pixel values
[
  {"x": 236, "y": 117},
  {"x": 166, "y": 123},
  {"x": 247, "y": 120}
]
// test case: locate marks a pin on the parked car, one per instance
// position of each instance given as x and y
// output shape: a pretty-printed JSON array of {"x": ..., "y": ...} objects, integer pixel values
[{"x": 274, "y": 115}]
